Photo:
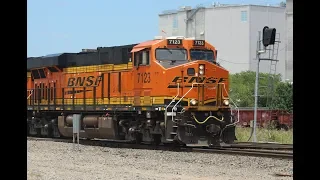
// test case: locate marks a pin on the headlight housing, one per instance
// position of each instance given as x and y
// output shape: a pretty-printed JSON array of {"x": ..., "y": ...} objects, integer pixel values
[
  {"x": 193, "y": 102},
  {"x": 226, "y": 102},
  {"x": 201, "y": 69}
]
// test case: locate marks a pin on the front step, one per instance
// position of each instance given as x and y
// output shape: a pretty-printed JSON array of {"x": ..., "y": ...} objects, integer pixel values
[{"x": 171, "y": 127}]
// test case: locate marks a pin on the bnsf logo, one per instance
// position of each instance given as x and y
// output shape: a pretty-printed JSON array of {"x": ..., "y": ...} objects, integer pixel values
[
  {"x": 84, "y": 81},
  {"x": 194, "y": 79}
]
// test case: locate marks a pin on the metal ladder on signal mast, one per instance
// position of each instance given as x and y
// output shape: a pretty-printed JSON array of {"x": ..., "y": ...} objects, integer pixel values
[{"x": 273, "y": 55}]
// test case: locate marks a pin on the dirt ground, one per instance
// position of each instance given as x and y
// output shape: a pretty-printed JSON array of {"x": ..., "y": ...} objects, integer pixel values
[{"x": 55, "y": 160}]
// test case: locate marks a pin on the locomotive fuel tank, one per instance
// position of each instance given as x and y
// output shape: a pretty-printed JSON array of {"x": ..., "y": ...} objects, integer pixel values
[
  {"x": 87, "y": 121},
  {"x": 69, "y": 120},
  {"x": 91, "y": 121}
]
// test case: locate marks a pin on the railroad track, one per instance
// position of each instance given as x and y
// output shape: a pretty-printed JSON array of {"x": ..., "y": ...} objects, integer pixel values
[
  {"x": 249, "y": 151},
  {"x": 253, "y": 145}
]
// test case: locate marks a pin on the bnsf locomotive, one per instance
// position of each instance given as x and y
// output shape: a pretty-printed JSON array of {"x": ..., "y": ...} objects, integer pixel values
[{"x": 166, "y": 90}]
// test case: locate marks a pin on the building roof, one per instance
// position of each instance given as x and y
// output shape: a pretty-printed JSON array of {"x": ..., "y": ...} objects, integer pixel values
[{"x": 211, "y": 6}]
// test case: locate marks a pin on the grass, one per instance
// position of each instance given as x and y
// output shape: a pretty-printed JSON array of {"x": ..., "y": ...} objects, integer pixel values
[{"x": 265, "y": 135}]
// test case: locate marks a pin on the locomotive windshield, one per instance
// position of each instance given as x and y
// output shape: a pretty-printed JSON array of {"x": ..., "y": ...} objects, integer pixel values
[
  {"x": 201, "y": 54},
  {"x": 163, "y": 54},
  {"x": 171, "y": 57}
]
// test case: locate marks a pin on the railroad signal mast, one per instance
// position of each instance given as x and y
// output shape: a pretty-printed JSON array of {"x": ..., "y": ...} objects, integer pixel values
[{"x": 270, "y": 42}]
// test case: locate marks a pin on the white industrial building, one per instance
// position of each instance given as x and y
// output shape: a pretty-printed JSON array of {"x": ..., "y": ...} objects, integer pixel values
[
  {"x": 289, "y": 40},
  {"x": 232, "y": 29}
]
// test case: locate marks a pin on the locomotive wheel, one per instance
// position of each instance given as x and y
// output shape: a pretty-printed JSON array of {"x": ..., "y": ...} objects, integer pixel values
[
  {"x": 39, "y": 132},
  {"x": 156, "y": 139},
  {"x": 50, "y": 132},
  {"x": 138, "y": 138},
  {"x": 28, "y": 133}
]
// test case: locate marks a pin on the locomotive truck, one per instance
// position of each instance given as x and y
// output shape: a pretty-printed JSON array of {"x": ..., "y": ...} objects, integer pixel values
[{"x": 165, "y": 90}]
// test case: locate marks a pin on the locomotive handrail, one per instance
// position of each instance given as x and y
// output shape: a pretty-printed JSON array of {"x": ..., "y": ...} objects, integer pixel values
[
  {"x": 31, "y": 91},
  {"x": 236, "y": 107},
  {"x": 183, "y": 97},
  {"x": 173, "y": 100}
]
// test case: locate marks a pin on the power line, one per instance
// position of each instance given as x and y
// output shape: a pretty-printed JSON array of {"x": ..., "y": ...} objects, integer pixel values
[
  {"x": 253, "y": 62},
  {"x": 233, "y": 62}
]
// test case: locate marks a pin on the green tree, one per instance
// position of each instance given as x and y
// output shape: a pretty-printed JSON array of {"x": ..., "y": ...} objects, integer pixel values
[
  {"x": 242, "y": 88},
  {"x": 283, "y": 98}
]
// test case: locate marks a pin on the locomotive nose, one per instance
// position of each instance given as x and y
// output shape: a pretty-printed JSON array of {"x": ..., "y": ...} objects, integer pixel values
[{"x": 207, "y": 83}]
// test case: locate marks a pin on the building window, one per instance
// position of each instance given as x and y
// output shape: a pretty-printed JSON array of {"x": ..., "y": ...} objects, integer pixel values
[
  {"x": 175, "y": 21},
  {"x": 244, "y": 16}
]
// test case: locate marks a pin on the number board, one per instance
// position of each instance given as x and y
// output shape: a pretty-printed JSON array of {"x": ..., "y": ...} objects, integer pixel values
[
  {"x": 174, "y": 42},
  {"x": 198, "y": 42}
]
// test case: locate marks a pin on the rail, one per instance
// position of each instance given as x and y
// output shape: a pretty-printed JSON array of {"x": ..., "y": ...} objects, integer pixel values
[
  {"x": 75, "y": 98},
  {"x": 78, "y": 98},
  {"x": 260, "y": 145},
  {"x": 247, "y": 152}
]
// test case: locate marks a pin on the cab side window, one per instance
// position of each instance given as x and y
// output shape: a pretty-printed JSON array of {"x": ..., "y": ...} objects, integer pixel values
[{"x": 142, "y": 58}]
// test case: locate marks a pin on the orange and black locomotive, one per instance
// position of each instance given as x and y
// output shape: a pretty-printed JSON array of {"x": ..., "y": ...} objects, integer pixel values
[{"x": 160, "y": 91}]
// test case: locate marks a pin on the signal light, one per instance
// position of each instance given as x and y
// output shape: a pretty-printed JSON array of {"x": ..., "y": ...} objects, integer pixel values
[{"x": 268, "y": 36}]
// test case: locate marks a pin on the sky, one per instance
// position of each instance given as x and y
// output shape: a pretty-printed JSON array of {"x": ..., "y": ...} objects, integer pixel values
[{"x": 57, "y": 26}]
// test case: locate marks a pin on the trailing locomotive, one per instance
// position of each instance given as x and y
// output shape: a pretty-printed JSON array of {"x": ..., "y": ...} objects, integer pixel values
[{"x": 160, "y": 91}]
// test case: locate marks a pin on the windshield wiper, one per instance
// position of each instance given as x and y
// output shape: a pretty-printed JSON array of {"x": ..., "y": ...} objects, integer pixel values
[{"x": 168, "y": 50}]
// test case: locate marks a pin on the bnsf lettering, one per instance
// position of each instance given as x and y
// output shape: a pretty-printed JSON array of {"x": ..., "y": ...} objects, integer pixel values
[
  {"x": 188, "y": 79},
  {"x": 84, "y": 81}
]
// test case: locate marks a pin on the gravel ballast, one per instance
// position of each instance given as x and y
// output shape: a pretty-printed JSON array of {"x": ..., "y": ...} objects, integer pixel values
[{"x": 56, "y": 160}]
